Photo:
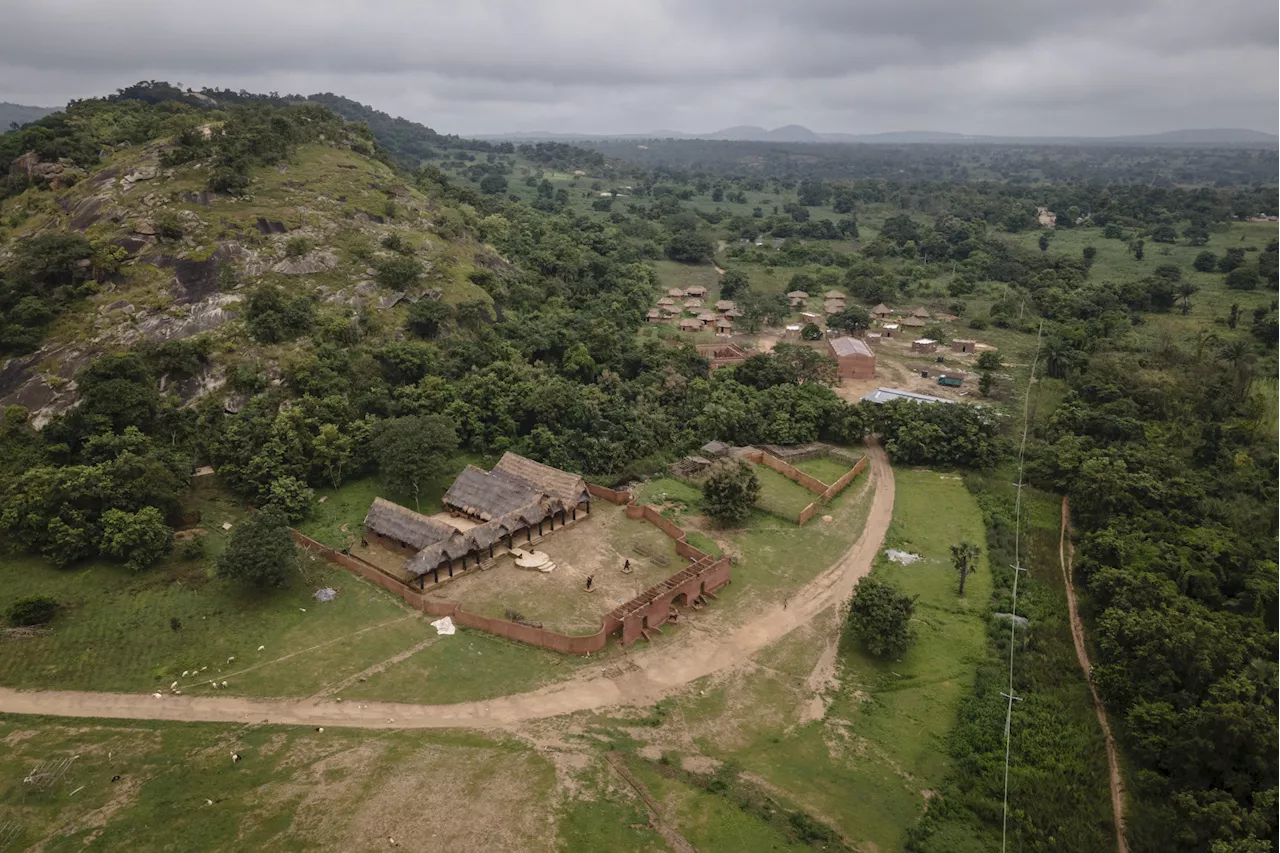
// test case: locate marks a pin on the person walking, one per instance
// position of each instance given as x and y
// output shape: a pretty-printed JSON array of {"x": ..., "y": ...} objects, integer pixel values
[{"x": 590, "y": 580}]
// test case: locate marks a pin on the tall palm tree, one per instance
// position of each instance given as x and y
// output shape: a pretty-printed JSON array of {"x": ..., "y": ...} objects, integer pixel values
[
  {"x": 1239, "y": 354},
  {"x": 965, "y": 559},
  {"x": 1059, "y": 357},
  {"x": 1186, "y": 290}
]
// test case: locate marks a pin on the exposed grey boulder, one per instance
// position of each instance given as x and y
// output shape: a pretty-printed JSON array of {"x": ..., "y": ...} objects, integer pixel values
[{"x": 313, "y": 262}]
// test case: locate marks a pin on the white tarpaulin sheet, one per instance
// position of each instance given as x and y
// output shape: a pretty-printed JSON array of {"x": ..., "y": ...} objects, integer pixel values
[
  {"x": 444, "y": 626},
  {"x": 904, "y": 557}
]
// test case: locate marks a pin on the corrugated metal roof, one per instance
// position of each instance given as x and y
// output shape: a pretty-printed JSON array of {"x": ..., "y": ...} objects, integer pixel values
[
  {"x": 884, "y": 395},
  {"x": 849, "y": 346}
]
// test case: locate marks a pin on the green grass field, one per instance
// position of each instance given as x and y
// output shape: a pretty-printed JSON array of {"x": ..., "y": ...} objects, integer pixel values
[
  {"x": 868, "y": 763},
  {"x": 825, "y": 468},
  {"x": 781, "y": 496},
  {"x": 295, "y": 788}
]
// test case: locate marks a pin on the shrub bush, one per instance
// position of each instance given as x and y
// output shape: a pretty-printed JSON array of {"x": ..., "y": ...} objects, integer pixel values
[{"x": 33, "y": 610}]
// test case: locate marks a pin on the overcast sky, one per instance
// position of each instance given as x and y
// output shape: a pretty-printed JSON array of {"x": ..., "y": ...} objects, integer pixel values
[{"x": 1088, "y": 67}]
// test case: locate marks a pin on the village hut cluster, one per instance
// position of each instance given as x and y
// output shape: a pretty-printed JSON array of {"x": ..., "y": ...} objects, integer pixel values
[
  {"x": 515, "y": 499},
  {"x": 690, "y": 306}
]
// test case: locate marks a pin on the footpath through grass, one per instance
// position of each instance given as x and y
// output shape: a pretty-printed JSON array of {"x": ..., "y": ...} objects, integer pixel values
[
  {"x": 1059, "y": 798},
  {"x": 872, "y": 761},
  {"x": 867, "y": 759}
]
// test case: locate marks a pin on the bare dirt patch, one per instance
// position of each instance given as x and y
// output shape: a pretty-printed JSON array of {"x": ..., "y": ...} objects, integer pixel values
[
  {"x": 597, "y": 547},
  {"x": 893, "y": 373}
]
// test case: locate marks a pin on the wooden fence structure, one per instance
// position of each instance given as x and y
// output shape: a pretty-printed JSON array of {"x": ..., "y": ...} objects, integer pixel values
[{"x": 692, "y": 586}]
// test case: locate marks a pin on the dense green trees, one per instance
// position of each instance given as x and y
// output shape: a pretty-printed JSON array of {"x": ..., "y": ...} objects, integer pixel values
[
  {"x": 260, "y": 551},
  {"x": 730, "y": 491},
  {"x": 880, "y": 617},
  {"x": 412, "y": 451},
  {"x": 937, "y": 434},
  {"x": 1173, "y": 491}
]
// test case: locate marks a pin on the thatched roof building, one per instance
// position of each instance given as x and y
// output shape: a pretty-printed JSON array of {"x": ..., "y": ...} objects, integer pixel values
[
  {"x": 696, "y": 290},
  {"x": 488, "y": 495},
  {"x": 563, "y": 485},
  {"x": 403, "y": 525}
]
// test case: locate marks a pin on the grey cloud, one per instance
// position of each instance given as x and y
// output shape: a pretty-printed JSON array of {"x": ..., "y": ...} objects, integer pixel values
[{"x": 995, "y": 66}]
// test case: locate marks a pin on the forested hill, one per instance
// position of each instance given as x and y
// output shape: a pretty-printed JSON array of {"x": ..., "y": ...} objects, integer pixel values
[{"x": 11, "y": 114}]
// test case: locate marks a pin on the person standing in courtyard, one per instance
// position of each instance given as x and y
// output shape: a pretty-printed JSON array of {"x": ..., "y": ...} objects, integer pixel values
[{"x": 590, "y": 580}]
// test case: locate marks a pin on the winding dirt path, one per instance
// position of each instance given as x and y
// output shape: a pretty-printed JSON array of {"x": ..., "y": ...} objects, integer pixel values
[
  {"x": 1065, "y": 554},
  {"x": 654, "y": 672}
]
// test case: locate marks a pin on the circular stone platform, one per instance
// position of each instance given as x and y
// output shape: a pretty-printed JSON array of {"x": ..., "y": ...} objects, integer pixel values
[{"x": 535, "y": 560}]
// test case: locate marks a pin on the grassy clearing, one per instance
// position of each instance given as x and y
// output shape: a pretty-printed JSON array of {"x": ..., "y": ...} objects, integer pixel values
[
  {"x": 867, "y": 766},
  {"x": 117, "y": 628},
  {"x": 774, "y": 556},
  {"x": 1058, "y": 783},
  {"x": 826, "y": 469},
  {"x": 893, "y": 714},
  {"x": 469, "y": 666},
  {"x": 612, "y": 822},
  {"x": 712, "y": 822},
  {"x": 294, "y": 789},
  {"x": 781, "y": 496}
]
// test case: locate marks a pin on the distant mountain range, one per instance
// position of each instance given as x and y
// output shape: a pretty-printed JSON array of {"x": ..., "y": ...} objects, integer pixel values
[
  {"x": 798, "y": 133},
  {"x": 11, "y": 113}
]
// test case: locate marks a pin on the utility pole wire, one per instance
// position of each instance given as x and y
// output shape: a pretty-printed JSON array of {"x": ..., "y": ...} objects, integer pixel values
[{"x": 1017, "y": 570}]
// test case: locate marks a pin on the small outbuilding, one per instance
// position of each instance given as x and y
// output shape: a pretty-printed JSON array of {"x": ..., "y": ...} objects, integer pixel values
[
  {"x": 889, "y": 330},
  {"x": 833, "y": 294},
  {"x": 675, "y": 293},
  {"x": 924, "y": 345},
  {"x": 707, "y": 317},
  {"x": 882, "y": 312},
  {"x": 665, "y": 301},
  {"x": 914, "y": 323},
  {"x": 724, "y": 326},
  {"x": 797, "y": 297},
  {"x": 691, "y": 304},
  {"x": 697, "y": 290},
  {"x": 689, "y": 324},
  {"x": 725, "y": 305},
  {"x": 654, "y": 316},
  {"x": 854, "y": 359},
  {"x": 832, "y": 306},
  {"x": 960, "y": 345},
  {"x": 922, "y": 313},
  {"x": 714, "y": 449}
]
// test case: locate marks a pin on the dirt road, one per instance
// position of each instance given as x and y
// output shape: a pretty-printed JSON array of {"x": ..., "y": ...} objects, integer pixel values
[
  {"x": 656, "y": 672},
  {"x": 1065, "y": 553}
]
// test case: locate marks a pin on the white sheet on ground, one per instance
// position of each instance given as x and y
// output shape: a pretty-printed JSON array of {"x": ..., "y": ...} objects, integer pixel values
[{"x": 444, "y": 626}]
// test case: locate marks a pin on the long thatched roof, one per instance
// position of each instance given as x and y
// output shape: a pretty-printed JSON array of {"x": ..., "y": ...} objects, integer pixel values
[
  {"x": 404, "y": 525},
  {"x": 566, "y": 486},
  {"x": 488, "y": 495}
]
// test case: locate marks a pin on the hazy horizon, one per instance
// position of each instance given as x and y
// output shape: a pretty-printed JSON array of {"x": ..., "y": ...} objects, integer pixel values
[{"x": 1000, "y": 68}]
